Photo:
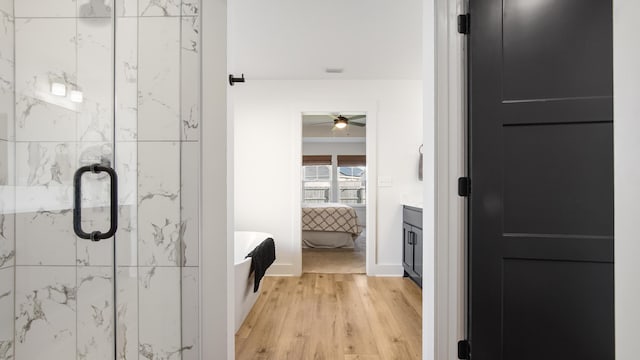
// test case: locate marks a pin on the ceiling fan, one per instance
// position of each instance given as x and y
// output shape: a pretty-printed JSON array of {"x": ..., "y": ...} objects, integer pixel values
[{"x": 341, "y": 122}]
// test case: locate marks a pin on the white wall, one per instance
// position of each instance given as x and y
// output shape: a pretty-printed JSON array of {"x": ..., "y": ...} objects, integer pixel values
[
  {"x": 627, "y": 177},
  {"x": 267, "y": 131}
]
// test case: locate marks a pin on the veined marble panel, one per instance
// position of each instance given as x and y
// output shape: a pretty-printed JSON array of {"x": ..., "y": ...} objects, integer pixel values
[
  {"x": 127, "y": 79},
  {"x": 127, "y": 235},
  {"x": 6, "y": 313},
  {"x": 159, "y": 79},
  {"x": 190, "y": 78},
  {"x": 159, "y": 223},
  {"x": 45, "y": 8},
  {"x": 45, "y": 54},
  {"x": 6, "y": 70},
  {"x": 160, "y": 318},
  {"x": 45, "y": 312},
  {"x": 44, "y": 203},
  {"x": 95, "y": 79},
  {"x": 127, "y": 314},
  {"x": 7, "y": 240},
  {"x": 159, "y": 7},
  {"x": 127, "y": 8},
  {"x": 95, "y": 313},
  {"x": 95, "y": 8},
  {"x": 190, "y": 314},
  {"x": 45, "y": 238},
  {"x": 191, "y": 7},
  {"x": 190, "y": 202}
]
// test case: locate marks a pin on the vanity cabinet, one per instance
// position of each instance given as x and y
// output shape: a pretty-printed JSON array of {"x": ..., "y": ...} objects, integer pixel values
[{"x": 412, "y": 243}]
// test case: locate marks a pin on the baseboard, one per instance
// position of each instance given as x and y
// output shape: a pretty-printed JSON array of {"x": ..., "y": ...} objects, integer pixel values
[
  {"x": 281, "y": 270},
  {"x": 386, "y": 270}
]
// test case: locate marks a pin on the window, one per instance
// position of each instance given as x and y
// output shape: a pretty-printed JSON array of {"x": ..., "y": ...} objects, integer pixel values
[
  {"x": 343, "y": 181},
  {"x": 316, "y": 179},
  {"x": 352, "y": 185}
]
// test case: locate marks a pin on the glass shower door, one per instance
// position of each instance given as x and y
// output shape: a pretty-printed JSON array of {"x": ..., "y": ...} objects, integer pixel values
[
  {"x": 87, "y": 87},
  {"x": 57, "y": 70}
]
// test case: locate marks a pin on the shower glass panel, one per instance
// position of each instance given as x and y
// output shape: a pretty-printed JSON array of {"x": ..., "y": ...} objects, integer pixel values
[{"x": 113, "y": 84}]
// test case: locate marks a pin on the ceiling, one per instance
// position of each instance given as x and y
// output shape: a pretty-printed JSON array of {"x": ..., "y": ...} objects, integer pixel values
[{"x": 299, "y": 39}]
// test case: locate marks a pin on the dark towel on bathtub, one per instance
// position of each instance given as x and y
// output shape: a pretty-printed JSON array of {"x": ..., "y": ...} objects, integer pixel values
[{"x": 261, "y": 259}]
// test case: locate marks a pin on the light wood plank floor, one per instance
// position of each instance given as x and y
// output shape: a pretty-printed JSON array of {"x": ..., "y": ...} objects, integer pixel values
[{"x": 333, "y": 317}]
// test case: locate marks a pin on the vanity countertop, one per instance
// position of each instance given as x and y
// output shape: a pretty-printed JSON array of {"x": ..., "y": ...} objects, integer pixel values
[{"x": 415, "y": 204}]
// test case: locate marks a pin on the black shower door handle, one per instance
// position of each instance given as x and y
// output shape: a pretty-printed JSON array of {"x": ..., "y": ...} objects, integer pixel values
[{"x": 77, "y": 202}]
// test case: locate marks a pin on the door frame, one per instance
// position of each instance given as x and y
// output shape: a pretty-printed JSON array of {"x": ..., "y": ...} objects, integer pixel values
[
  {"x": 370, "y": 108},
  {"x": 445, "y": 55},
  {"x": 444, "y": 116}
]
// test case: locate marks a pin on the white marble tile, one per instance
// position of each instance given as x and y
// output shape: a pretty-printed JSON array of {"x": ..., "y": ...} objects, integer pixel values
[
  {"x": 45, "y": 238},
  {"x": 190, "y": 78},
  {"x": 191, "y": 7},
  {"x": 6, "y": 6},
  {"x": 159, "y": 225},
  {"x": 127, "y": 79},
  {"x": 127, "y": 7},
  {"x": 158, "y": 170},
  {"x": 44, "y": 176},
  {"x": 6, "y": 313},
  {"x": 127, "y": 314},
  {"x": 6, "y": 70},
  {"x": 127, "y": 236},
  {"x": 159, "y": 79},
  {"x": 95, "y": 313},
  {"x": 45, "y": 54},
  {"x": 160, "y": 317},
  {"x": 159, "y": 232},
  {"x": 190, "y": 314},
  {"x": 45, "y": 8},
  {"x": 95, "y": 8},
  {"x": 190, "y": 202},
  {"x": 159, "y": 7},
  {"x": 45, "y": 312},
  {"x": 7, "y": 240},
  {"x": 45, "y": 163},
  {"x": 6, "y": 162},
  {"x": 95, "y": 80}
]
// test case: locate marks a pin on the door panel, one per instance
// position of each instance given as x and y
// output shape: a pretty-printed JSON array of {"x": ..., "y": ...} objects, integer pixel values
[{"x": 541, "y": 166}]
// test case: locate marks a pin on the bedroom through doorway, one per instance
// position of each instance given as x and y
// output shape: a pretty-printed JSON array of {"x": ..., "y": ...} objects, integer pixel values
[{"x": 334, "y": 193}]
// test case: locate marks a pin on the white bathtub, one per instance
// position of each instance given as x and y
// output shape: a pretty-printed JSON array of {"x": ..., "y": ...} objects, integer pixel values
[{"x": 245, "y": 298}]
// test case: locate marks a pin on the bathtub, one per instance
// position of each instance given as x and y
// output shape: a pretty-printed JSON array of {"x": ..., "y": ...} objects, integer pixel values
[{"x": 245, "y": 298}]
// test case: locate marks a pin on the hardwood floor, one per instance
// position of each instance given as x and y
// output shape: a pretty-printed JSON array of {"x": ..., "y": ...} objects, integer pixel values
[
  {"x": 336, "y": 261},
  {"x": 333, "y": 317}
]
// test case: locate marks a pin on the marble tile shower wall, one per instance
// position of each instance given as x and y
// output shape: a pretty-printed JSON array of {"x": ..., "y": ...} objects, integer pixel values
[{"x": 56, "y": 289}]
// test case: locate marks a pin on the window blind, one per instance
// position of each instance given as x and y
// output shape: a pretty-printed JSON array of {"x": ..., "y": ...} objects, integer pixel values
[
  {"x": 310, "y": 160},
  {"x": 352, "y": 160}
]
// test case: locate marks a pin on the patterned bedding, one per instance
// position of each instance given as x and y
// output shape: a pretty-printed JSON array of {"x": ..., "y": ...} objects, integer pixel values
[{"x": 330, "y": 217}]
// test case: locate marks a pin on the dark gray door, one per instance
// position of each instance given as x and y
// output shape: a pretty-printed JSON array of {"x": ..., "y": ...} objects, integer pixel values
[{"x": 541, "y": 168}]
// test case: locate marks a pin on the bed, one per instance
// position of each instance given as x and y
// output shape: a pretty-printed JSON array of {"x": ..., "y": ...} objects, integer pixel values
[{"x": 329, "y": 225}]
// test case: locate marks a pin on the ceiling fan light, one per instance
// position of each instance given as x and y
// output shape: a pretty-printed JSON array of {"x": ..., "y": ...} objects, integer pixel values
[{"x": 340, "y": 123}]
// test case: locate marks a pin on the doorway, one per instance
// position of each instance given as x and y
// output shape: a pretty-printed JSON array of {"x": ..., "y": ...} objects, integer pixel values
[{"x": 334, "y": 193}]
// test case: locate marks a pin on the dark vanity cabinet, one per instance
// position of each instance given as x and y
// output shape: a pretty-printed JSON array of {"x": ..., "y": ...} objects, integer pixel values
[{"x": 412, "y": 243}]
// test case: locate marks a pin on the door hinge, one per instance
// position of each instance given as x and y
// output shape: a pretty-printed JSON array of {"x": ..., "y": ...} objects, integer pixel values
[
  {"x": 464, "y": 350},
  {"x": 464, "y": 23},
  {"x": 464, "y": 186}
]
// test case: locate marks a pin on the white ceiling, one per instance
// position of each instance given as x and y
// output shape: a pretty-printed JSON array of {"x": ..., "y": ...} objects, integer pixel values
[{"x": 299, "y": 39}]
